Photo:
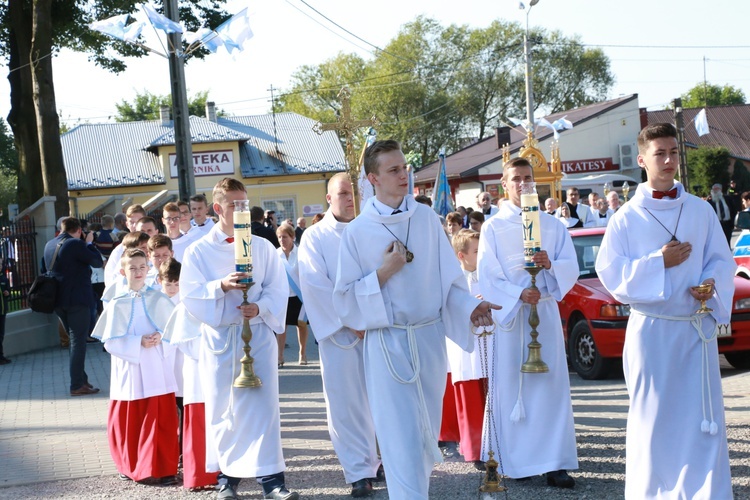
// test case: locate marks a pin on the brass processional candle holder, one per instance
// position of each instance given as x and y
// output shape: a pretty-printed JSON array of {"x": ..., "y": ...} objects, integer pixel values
[
  {"x": 625, "y": 190},
  {"x": 243, "y": 262},
  {"x": 532, "y": 243},
  {"x": 705, "y": 288}
]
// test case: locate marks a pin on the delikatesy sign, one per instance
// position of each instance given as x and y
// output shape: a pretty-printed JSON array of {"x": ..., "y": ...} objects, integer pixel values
[{"x": 207, "y": 163}]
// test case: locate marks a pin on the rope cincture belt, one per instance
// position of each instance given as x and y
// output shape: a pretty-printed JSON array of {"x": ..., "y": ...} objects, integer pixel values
[
  {"x": 430, "y": 443},
  {"x": 696, "y": 321},
  {"x": 519, "y": 412}
]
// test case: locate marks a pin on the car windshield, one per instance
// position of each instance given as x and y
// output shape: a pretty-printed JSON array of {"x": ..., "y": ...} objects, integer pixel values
[{"x": 587, "y": 247}]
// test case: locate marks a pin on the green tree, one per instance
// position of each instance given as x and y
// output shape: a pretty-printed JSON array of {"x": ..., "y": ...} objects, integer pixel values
[
  {"x": 146, "y": 106},
  {"x": 703, "y": 95},
  {"x": 741, "y": 176},
  {"x": 432, "y": 86},
  {"x": 31, "y": 33},
  {"x": 707, "y": 165},
  {"x": 8, "y": 156}
]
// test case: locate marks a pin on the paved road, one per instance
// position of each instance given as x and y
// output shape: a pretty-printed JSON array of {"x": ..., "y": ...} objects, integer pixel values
[{"x": 46, "y": 435}]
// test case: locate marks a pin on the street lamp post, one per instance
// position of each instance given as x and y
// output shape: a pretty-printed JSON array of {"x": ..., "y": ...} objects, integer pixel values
[{"x": 527, "y": 55}]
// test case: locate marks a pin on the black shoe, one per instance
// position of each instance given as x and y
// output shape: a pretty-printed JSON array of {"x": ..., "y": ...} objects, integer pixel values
[
  {"x": 84, "y": 390},
  {"x": 91, "y": 340},
  {"x": 480, "y": 465},
  {"x": 522, "y": 479},
  {"x": 281, "y": 493},
  {"x": 227, "y": 492},
  {"x": 449, "y": 449},
  {"x": 361, "y": 488},
  {"x": 123, "y": 477},
  {"x": 560, "y": 479},
  {"x": 4, "y": 360},
  {"x": 168, "y": 480},
  {"x": 379, "y": 476}
]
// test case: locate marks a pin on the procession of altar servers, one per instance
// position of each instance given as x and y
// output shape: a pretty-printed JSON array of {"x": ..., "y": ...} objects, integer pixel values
[{"x": 392, "y": 362}]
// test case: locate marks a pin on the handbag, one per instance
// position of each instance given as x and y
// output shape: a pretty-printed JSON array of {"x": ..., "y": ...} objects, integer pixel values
[{"x": 43, "y": 292}]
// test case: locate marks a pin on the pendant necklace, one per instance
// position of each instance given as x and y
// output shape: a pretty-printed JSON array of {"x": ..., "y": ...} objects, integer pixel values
[
  {"x": 673, "y": 234},
  {"x": 409, "y": 255}
]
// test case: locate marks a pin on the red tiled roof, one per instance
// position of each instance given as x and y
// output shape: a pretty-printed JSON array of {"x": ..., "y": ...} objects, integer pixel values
[
  {"x": 465, "y": 162},
  {"x": 729, "y": 126}
]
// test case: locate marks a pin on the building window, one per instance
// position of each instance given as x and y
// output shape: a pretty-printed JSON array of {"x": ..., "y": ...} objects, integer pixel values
[{"x": 285, "y": 208}]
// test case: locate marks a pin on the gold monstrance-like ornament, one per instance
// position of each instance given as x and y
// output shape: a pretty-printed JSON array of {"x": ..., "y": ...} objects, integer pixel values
[
  {"x": 243, "y": 261},
  {"x": 532, "y": 243}
]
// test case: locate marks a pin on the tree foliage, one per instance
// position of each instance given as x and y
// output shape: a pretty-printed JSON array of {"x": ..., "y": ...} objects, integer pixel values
[
  {"x": 145, "y": 106},
  {"x": 34, "y": 31},
  {"x": 712, "y": 95},
  {"x": 707, "y": 165},
  {"x": 433, "y": 86},
  {"x": 8, "y": 155},
  {"x": 741, "y": 176}
]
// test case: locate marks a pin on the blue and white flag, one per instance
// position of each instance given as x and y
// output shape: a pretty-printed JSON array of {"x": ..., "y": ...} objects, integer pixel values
[
  {"x": 112, "y": 26},
  {"x": 235, "y": 31},
  {"x": 556, "y": 126},
  {"x": 160, "y": 21},
  {"x": 701, "y": 123},
  {"x": 442, "y": 202}
]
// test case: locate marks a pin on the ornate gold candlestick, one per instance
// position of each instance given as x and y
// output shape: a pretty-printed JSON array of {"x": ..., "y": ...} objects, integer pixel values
[
  {"x": 243, "y": 260},
  {"x": 534, "y": 363},
  {"x": 532, "y": 243}
]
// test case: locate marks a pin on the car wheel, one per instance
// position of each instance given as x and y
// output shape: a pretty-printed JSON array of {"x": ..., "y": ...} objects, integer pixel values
[
  {"x": 584, "y": 357},
  {"x": 739, "y": 359}
]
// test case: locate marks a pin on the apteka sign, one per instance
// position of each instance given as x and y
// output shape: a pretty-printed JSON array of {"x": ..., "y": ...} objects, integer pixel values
[{"x": 207, "y": 163}]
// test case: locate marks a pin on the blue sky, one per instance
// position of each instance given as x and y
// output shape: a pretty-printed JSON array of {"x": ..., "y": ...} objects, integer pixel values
[{"x": 656, "y": 48}]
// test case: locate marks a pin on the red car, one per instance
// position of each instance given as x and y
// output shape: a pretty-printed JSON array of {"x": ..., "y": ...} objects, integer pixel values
[{"x": 594, "y": 322}]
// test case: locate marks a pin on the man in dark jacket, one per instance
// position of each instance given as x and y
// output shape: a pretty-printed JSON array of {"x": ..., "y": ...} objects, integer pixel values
[
  {"x": 257, "y": 227},
  {"x": 75, "y": 295}
]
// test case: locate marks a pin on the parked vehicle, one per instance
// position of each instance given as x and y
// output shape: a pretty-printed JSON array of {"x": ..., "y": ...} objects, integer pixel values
[{"x": 594, "y": 322}]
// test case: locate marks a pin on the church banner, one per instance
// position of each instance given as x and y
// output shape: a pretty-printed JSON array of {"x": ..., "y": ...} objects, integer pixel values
[
  {"x": 207, "y": 163},
  {"x": 589, "y": 166}
]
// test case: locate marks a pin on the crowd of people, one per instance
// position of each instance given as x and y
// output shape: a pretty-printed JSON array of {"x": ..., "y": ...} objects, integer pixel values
[{"x": 421, "y": 327}]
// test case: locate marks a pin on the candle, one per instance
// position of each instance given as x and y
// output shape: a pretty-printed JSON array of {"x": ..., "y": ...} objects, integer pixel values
[
  {"x": 532, "y": 234},
  {"x": 243, "y": 237}
]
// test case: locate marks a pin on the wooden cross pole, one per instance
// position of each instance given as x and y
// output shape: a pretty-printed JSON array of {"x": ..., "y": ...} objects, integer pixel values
[{"x": 346, "y": 127}]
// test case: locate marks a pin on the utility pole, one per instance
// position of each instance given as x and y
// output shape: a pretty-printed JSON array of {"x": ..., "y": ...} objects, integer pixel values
[
  {"x": 180, "y": 113},
  {"x": 680, "y": 125}
]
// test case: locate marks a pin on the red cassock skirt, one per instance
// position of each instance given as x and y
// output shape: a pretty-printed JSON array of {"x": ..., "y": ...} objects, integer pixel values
[
  {"x": 471, "y": 396},
  {"x": 449, "y": 430},
  {"x": 194, "y": 473},
  {"x": 143, "y": 437}
]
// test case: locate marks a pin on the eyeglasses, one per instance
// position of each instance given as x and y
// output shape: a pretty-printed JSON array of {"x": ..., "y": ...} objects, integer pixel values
[{"x": 171, "y": 219}]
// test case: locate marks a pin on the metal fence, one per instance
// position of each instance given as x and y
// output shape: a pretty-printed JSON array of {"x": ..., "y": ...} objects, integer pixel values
[{"x": 19, "y": 259}]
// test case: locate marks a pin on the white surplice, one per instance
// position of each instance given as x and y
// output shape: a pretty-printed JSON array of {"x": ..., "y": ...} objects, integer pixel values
[
  {"x": 137, "y": 372},
  {"x": 243, "y": 424},
  {"x": 406, "y": 322},
  {"x": 464, "y": 365},
  {"x": 341, "y": 353},
  {"x": 532, "y": 412},
  {"x": 112, "y": 267},
  {"x": 180, "y": 244},
  {"x": 676, "y": 443}
]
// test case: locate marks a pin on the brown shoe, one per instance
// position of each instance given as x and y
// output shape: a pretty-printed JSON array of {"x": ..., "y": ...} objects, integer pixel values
[{"x": 84, "y": 391}]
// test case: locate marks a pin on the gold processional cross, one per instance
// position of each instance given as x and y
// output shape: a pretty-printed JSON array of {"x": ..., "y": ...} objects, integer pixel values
[{"x": 346, "y": 127}]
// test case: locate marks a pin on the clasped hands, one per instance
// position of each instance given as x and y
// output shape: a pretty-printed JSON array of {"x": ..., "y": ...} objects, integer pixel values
[
  {"x": 232, "y": 282},
  {"x": 151, "y": 340}
]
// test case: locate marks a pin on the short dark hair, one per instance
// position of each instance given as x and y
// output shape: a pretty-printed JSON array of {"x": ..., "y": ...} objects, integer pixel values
[
  {"x": 199, "y": 198},
  {"x": 477, "y": 215},
  {"x": 257, "y": 214},
  {"x": 423, "y": 199},
  {"x": 373, "y": 152},
  {"x": 169, "y": 270},
  {"x": 147, "y": 220},
  {"x": 516, "y": 163},
  {"x": 454, "y": 217},
  {"x": 745, "y": 195},
  {"x": 70, "y": 225},
  {"x": 135, "y": 239},
  {"x": 132, "y": 253},
  {"x": 159, "y": 241},
  {"x": 654, "y": 131}
]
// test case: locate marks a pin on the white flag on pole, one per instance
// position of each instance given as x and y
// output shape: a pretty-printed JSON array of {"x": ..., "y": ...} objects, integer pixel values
[{"x": 701, "y": 123}]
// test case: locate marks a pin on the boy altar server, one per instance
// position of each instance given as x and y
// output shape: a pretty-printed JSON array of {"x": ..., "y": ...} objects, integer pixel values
[
  {"x": 341, "y": 361},
  {"x": 399, "y": 280},
  {"x": 657, "y": 247},
  {"x": 142, "y": 421},
  {"x": 243, "y": 425},
  {"x": 532, "y": 412}
]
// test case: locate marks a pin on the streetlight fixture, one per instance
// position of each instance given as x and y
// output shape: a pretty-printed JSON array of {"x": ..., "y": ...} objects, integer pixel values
[{"x": 527, "y": 56}]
